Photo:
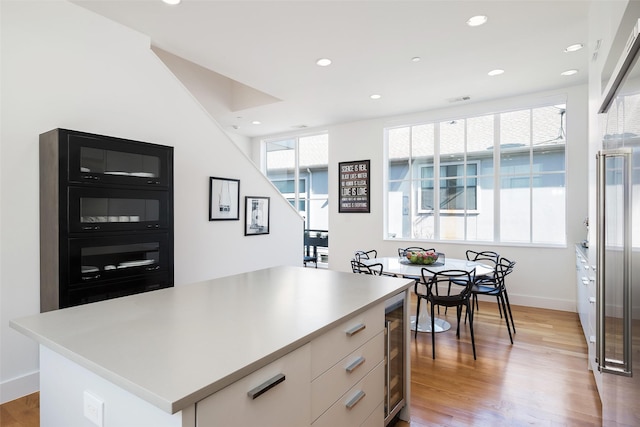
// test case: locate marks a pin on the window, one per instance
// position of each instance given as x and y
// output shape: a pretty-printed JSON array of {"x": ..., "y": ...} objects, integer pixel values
[
  {"x": 298, "y": 167},
  {"x": 454, "y": 194},
  {"x": 499, "y": 178}
]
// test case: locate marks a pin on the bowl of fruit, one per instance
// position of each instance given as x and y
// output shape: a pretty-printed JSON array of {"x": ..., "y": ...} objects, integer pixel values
[{"x": 421, "y": 257}]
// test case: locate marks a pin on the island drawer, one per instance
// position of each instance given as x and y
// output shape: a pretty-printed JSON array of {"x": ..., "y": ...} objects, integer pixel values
[
  {"x": 374, "y": 419},
  {"x": 263, "y": 398},
  {"x": 332, "y": 384},
  {"x": 337, "y": 343},
  {"x": 358, "y": 404}
]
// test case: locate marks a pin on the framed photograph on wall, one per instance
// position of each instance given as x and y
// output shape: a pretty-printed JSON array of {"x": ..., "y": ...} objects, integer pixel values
[
  {"x": 354, "y": 181},
  {"x": 256, "y": 215},
  {"x": 224, "y": 199}
]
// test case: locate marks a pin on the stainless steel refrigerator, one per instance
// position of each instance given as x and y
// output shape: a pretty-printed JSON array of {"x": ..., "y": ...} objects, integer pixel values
[{"x": 617, "y": 358}]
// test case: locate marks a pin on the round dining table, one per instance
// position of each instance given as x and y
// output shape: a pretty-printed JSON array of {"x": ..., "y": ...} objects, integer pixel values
[{"x": 403, "y": 268}]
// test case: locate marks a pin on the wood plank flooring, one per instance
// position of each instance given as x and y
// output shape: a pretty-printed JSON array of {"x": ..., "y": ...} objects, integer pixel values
[
  {"x": 23, "y": 412},
  {"x": 541, "y": 380}
]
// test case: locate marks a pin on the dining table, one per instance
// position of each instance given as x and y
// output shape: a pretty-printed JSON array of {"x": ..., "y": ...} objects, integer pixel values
[{"x": 402, "y": 267}]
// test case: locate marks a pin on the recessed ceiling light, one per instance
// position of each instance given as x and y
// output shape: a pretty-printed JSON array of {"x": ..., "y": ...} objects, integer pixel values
[
  {"x": 475, "y": 21},
  {"x": 256, "y": 122},
  {"x": 416, "y": 59},
  {"x": 323, "y": 62},
  {"x": 375, "y": 96},
  {"x": 574, "y": 47},
  {"x": 172, "y": 2},
  {"x": 495, "y": 72},
  {"x": 569, "y": 73}
]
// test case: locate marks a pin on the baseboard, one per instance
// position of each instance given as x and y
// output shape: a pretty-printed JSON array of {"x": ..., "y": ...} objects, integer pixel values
[
  {"x": 18, "y": 387},
  {"x": 538, "y": 302}
]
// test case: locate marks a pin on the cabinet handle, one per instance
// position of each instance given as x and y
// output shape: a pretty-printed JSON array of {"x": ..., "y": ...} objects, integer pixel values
[
  {"x": 585, "y": 281},
  {"x": 151, "y": 181},
  {"x": 155, "y": 267},
  {"x": 359, "y": 361},
  {"x": 153, "y": 226},
  {"x": 355, "y": 399},
  {"x": 97, "y": 178},
  {"x": 351, "y": 332},
  {"x": 96, "y": 276},
  {"x": 592, "y": 300},
  {"x": 266, "y": 386}
]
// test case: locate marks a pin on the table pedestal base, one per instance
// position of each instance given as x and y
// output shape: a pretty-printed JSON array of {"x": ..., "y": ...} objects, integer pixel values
[{"x": 424, "y": 325}]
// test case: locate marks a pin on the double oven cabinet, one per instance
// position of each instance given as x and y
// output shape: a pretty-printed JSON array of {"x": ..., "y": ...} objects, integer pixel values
[{"x": 106, "y": 218}]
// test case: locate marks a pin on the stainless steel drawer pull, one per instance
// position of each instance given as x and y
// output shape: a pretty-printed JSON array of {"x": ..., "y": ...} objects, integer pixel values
[
  {"x": 359, "y": 361},
  {"x": 355, "y": 399},
  {"x": 351, "y": 332},
  {"x": 266, "y": 386}
]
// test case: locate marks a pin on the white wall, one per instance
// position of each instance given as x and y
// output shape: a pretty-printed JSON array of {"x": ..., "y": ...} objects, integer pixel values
[{"x": 63, "y": 66}]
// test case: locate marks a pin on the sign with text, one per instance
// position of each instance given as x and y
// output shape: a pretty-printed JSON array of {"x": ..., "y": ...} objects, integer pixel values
[{"x": 354, "y": 186}]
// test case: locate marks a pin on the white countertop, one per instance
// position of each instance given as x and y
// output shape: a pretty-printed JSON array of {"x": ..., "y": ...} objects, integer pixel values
[{"x": 175, "y": 346}]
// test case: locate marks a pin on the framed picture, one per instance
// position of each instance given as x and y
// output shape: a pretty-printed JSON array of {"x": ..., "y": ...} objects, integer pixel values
[
  {"x": 256, "y": 215},
  {"x": 224, "y": 199},
  {"x": 354, "y": 180}
]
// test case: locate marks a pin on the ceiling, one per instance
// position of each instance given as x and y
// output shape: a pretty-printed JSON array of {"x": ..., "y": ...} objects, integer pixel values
[{"x": 264, "y": 52}]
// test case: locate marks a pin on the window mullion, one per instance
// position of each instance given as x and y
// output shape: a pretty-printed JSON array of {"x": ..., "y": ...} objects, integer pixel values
[
  {"x": 464, "y": 183},
  {"x": 296, "y": 179},
  {"x": 412, "y": 183},
  {"x": 496, "y": 178},
  {"x": 531, "y": 175},
  {"x": 436, "y": 182}
]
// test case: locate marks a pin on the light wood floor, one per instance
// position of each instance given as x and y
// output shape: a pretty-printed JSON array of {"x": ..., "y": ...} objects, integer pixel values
[{"x": 541, "y": 380}]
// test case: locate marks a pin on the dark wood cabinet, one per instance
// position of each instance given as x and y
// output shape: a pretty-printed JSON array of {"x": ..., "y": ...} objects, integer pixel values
[{"x": 106, "y": 218}]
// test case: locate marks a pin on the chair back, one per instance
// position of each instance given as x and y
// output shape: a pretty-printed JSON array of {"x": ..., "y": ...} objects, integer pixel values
[
  {"x": 358, "y": 255},
  {"x": 362, "y": 268},
  {"x": 492, "y": 256},
  {"x": 503, "y": 269},
  {"x": 444, "y": 278}
]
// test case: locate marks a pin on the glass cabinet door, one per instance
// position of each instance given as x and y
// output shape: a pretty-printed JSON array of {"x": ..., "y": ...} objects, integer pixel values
[
  {"x": 97, "y": 209},
  {"x": 93, "y": 159},
  {"x": 108, "y": 258}
]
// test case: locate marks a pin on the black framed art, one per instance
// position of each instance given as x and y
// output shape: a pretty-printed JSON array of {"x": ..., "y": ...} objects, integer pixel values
[
  {"x": 354, "y": 182},
  {"x": 224, "y": 199},
  {"x": 256, "y": 215}
]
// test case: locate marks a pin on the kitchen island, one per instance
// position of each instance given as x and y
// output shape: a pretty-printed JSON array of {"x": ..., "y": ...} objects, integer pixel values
[{"x": 260, "y": 347}]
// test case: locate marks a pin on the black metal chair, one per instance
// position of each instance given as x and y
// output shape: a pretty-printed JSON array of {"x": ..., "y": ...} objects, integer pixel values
[
  {"x": 358, "y": 255},
  {"x": 496, "y": 286},
  {"x": 433, "y": 279},
  {"x": 487, "y": 257},
  {"x": 374, "y": 269}
]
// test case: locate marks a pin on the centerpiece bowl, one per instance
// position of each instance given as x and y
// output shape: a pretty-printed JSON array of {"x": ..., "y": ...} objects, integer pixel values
[{"x": 422, "y": 257}]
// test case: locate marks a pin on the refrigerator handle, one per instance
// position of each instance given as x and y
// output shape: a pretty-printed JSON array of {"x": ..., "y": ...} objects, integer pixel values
[
  {"x": 619, "y": 367},
  {"x": 600, "y": 218}
]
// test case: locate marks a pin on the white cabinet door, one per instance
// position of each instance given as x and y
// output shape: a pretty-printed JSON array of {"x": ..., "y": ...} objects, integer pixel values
[
  {"x": 357, "y": 404},
  {"x": 328, "y": 387},
  {"x": 337, "y": 343},
  {"x": 278, "y": 395}
]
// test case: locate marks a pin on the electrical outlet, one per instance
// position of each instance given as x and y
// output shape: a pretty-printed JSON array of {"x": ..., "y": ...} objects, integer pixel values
[{"x": 93, "y": 409}]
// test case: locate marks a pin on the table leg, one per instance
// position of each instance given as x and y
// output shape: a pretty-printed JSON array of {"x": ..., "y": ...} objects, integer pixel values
[{"x": 424, "y": 323}]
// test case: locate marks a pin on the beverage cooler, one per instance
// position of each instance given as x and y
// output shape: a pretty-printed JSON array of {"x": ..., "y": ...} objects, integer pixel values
[{"x": 396, "y": 386}]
